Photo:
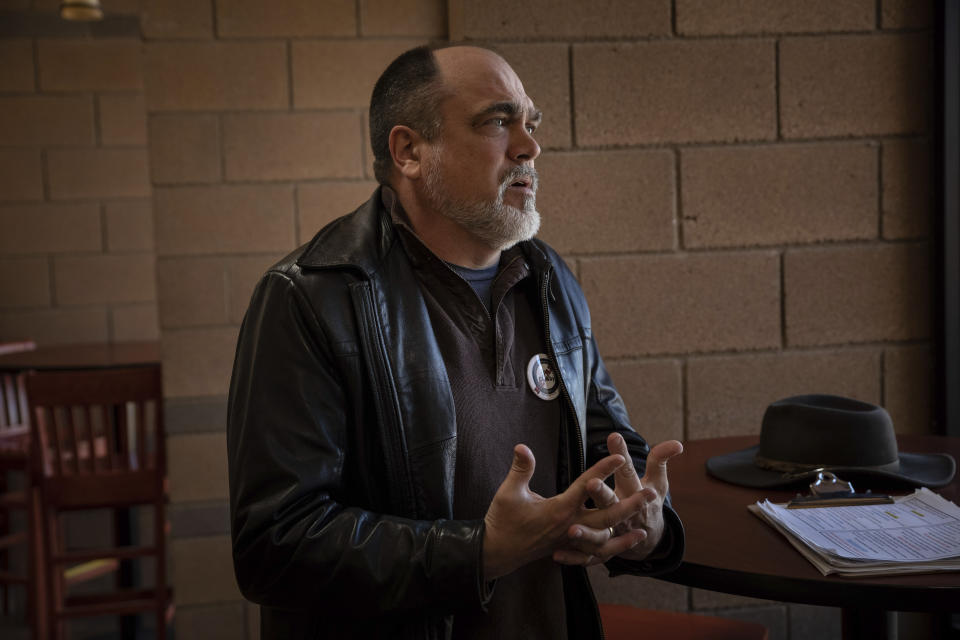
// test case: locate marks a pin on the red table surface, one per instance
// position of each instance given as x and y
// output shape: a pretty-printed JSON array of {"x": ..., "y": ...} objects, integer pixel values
[{"x": 731, "y": 550}]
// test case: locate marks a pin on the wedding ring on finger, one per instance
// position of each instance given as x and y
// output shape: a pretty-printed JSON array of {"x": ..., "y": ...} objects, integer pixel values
[{"x": 612, "y": 534}]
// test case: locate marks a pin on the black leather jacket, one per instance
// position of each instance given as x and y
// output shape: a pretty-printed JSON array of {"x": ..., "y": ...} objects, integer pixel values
[{"x": 341, "y": 439}]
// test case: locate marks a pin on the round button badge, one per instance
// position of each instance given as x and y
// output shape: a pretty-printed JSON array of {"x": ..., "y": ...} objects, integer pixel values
[{"x": 542, "y": 378}]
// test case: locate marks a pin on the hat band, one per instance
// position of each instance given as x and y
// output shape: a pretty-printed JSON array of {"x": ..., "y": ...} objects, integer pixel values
[{"x": 785, "y": 466}]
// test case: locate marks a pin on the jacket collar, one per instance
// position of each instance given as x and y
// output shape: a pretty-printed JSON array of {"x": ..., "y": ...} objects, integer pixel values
[{"x": 360, "y": 239}]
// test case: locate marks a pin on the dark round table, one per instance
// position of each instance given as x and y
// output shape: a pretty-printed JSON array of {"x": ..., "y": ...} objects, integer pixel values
[{"x": 729, "y": 549}]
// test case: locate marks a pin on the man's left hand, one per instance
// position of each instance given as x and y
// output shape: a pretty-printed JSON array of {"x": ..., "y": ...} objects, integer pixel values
[{"x": 589, "y": 546}]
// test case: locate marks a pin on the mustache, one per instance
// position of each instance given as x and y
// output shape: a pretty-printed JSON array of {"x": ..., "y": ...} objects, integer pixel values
[{"x": 518, "y": 173}]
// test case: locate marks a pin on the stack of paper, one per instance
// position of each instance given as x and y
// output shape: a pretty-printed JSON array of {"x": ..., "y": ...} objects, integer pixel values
[{"x": 918, "y": 533}]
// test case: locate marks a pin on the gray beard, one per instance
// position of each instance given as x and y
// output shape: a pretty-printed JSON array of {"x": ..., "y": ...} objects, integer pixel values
[{"x": 496, "y": 224}]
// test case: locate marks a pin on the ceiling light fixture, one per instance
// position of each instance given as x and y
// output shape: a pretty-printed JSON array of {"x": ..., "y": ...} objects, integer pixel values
[{"x": 85, "y": 10}]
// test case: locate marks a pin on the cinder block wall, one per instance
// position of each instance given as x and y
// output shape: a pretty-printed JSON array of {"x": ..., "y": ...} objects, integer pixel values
[
  {"x": 741, "y": 187},
  {"x": 744, "y": 191},
  {"x": 76, "y": 227}
]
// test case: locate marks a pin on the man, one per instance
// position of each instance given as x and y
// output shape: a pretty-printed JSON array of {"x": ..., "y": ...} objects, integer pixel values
[{"x": 388, "y": 371}]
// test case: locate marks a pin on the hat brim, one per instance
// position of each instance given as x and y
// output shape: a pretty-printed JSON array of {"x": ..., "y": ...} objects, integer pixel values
[{"x": 916, "y": 470}]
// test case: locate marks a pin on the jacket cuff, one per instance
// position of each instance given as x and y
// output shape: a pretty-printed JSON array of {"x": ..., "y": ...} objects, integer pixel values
[
  {"x": 665, "y": 557},
  {"x": 484, "y": 587}
]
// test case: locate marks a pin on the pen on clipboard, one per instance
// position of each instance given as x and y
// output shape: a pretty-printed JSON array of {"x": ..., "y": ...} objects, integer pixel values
[{"x": 830, "y": 491}]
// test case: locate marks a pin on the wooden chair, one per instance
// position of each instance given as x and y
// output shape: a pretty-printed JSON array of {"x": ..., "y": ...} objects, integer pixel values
[
  {"x": 99, "y": 443},
  {"x": 15, "y": 494},
  {"x": 622, "y": 622}
]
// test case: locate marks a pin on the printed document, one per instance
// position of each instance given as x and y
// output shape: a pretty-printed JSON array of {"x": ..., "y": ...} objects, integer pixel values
[{"x": 919, "y": 532}]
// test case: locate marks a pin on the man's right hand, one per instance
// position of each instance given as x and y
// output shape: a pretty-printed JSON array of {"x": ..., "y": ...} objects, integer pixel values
[{"x": 522, "y": 526}]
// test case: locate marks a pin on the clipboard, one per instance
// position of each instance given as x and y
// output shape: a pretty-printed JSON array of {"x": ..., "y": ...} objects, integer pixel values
[{"x": 830, "y": 491}]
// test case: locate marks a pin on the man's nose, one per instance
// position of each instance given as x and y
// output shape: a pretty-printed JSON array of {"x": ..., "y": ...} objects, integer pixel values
[{"x": 523, "y": 146}]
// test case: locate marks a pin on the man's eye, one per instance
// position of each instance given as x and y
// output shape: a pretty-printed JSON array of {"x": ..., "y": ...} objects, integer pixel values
[
  {"x": 498, "y": 122},
  {"x": 531, "y": 128}
]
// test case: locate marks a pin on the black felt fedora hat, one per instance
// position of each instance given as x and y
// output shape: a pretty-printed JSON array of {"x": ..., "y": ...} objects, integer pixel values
[{"x": 801, "y": 435}]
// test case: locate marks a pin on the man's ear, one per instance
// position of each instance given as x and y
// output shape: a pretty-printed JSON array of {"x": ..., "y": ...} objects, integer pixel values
[{"x": 405, "y": 149}]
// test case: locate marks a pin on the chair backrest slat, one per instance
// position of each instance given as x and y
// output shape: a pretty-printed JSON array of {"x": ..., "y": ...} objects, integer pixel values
[
  {"x": 95, "y": 436},
  {"x": 110, "y": 434},
  {"x": 53, "y": 424},
  {"x": 73, "y": 427},
  {"x": 12, "y": 401},
  {"x": 122, "y": 428},
  {"x": 142, "y": 426},
  {"x": 6, "y": 419},
  {"x": 42, "y": 438},
  {"x": 89, "y": 440},
  {"x": 23, "y": 411}
]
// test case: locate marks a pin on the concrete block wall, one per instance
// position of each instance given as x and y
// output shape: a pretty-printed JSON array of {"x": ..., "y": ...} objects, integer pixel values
[
  {"x": 76, "y": 224},
  {"x": 742, "y": 189}
]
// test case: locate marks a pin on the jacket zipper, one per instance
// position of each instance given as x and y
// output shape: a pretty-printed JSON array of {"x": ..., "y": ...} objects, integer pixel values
[
  {"x": 544, "y": 300},
  {"x": 387, "y": 405}
]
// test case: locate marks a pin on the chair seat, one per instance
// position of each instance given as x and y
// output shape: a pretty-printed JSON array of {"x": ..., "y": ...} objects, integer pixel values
[{"x": 622, "y": 622}]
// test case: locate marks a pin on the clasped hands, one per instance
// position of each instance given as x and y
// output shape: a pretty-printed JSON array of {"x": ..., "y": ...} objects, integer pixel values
[{"x": 522, "y": 526}]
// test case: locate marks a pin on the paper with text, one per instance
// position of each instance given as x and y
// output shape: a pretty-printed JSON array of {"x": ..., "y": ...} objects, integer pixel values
[{"x": 918, "y": 527}]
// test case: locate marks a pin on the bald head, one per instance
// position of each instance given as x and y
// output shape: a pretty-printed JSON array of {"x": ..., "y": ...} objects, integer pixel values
[
  {"x": 412, "y": 88},
  {"x": 462, "y": 59}
]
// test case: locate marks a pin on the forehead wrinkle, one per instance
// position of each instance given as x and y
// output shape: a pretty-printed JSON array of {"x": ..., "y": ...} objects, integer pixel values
[{"x": 512, "y": 108}]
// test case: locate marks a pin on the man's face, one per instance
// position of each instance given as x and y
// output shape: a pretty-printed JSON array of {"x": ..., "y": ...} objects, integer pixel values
[{"x": 480, "y": 172}]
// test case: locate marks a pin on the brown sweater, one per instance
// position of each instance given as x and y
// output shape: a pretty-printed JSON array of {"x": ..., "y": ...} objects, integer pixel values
[{"x": 486, "y": 356}]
